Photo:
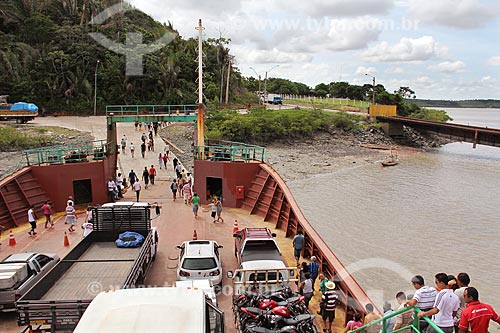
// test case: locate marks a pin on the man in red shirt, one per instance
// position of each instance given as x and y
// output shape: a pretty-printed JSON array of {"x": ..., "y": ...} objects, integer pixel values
[
  {"x": 152, "y": 174},
  {"x": 477, "y": 315}
]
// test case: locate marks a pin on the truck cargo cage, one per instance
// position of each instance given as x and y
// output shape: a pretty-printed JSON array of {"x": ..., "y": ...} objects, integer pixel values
[
  {"x": 121, "y": 218},
  {"x": 93, "y": 265}
]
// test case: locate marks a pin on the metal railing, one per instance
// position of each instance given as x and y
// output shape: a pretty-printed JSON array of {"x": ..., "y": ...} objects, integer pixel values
[
  {"x": 74, "y": 153},
  {"x": 229, "y": 151},
  {"x": 382, "y": 322},
  {"x": 133, "y": 110}
]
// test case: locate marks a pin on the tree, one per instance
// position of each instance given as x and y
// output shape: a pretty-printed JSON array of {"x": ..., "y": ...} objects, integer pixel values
[
  {"x": 321, "y": 90},
  {"x": 405, "y": 92}
]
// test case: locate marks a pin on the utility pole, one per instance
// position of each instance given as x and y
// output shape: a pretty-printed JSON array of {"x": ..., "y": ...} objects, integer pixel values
[
  {"x": 265, "y": 82},
  {"x": 258, "y": 94},
  {"x": 373, "y": 92},
  {"x": 227, "y": 82},
  {"x": 95, "y": 88},
  {"x": 200, "y": 121}
]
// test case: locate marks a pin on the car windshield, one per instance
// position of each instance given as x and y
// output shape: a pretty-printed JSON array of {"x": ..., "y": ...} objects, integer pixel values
[{"x": 199, "y": 264}]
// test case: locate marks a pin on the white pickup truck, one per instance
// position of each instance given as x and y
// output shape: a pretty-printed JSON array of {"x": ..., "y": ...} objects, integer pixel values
[
  {"x": 19, "y": 272},
  {"x": 261, "y": 266}
]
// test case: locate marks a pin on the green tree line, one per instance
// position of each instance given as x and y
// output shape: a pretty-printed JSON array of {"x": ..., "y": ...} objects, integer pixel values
[{"x": 48, "y": 57}]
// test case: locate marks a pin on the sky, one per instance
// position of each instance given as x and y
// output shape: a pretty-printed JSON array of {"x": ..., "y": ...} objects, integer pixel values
[{"x": 442, "y": 49}]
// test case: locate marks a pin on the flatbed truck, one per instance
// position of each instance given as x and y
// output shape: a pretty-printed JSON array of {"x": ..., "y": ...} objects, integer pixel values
[
  {"x": 95, "y": 264},
  {"x": 20, "y": 112}
]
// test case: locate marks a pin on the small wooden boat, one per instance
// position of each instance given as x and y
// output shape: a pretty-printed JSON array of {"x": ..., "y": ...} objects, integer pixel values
[{"x": 390, "y": 160}]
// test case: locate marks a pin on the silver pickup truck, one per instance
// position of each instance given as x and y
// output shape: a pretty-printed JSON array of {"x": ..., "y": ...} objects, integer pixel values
[{"x": 19, "y": 272}]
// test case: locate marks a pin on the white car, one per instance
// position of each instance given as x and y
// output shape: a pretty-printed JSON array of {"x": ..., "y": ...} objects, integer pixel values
[{"x": 200, "y": 259}]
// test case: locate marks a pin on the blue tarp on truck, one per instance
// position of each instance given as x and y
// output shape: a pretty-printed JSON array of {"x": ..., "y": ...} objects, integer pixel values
[{"x": 22, "y": 106}]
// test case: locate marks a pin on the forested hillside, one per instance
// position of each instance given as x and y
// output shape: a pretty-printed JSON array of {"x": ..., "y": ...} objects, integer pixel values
[{"x": 48, "y": 57}]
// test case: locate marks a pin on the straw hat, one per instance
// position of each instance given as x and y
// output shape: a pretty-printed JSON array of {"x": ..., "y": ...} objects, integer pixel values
[{"x": 330, "y": 285}]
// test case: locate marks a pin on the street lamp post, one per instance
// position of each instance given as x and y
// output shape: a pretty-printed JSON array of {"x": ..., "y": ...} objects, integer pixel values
[
  {"x": 373, "y": 92},
  {"x": 265, "y": 81},
  {"x": 95, "y": 88}
]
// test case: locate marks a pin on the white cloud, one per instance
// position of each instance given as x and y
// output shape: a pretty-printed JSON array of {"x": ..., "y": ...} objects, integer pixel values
[
  {"x": 336, "y": 35},
  {"x": 275, "y": 56},
  {"x": 407, "y": 50},
  {"x": 494, "y": 61},
  {"x": 339, "y": 8},
  {"x": 362, "y": 70},
  {"x": 448, "y": 67},
  {"x": 394, "y": 70},
  {"x": 455, "y": 13}
]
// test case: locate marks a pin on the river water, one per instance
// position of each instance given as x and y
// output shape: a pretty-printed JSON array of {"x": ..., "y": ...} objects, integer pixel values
[{"x": 434, "y": 212}]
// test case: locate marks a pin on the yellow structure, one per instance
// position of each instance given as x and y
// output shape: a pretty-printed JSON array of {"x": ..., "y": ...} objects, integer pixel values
[{"x": 383, "y": 110}]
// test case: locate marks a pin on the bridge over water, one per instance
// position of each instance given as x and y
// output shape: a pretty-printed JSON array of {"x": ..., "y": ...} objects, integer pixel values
[{"x": 473, "y": 134}]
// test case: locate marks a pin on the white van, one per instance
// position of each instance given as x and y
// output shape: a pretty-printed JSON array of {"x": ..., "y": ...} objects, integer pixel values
[{"x": 151, "y": 310}]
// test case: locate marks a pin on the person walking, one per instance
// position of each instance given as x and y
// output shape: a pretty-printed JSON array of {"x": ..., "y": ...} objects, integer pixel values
[
  {"x": 124, "y": 143},
  {"x": 32, "y": 220},
  {"x": 186, "y": 192},
  {"x": 70, "y": 199},
  {"x": 174, "y": 162},
  {"x": 160, "y": 160},
  {"x": 328, "y": 305},
  {"x": 298, "y": 243},
  {"x": 71, "y": 217},
  {"x": 137, "y": 188},
  {"x": 145, "y": 177},
  {"x": 152, "y": 174},
  {"x": 132, "y": 150},
  {"x": 143, "y": 149},
  {"x": 173, "y": 187},
  {"x": 165, "y": 160},
  {"x": 307, "y": 289},
  {"x": 213, "y": 213},
  {"x": 313, "y": 269},
  {"x": 196, "y": 204},
  {"x": 476, "y": 315},
  {"x": 322, "y": 282},
  {"x": 218, "y": 205},
  {"x": 47, "y": 211},
  {"x": 132, "y": 177}
]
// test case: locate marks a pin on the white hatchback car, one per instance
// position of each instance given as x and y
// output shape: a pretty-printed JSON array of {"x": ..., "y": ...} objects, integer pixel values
[{"x": 200, "y": 259}]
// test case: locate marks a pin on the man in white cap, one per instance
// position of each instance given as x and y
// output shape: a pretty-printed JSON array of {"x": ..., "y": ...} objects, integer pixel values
[{"x": 328, "y": 305}]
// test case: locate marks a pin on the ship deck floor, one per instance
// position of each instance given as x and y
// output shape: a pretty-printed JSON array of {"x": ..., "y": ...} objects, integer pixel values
[{"x": 175, "y": 225}]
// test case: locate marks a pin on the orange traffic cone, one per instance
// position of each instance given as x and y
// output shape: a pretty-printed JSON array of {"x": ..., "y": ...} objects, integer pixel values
[
  {"x": 12, "y": 240},
  {"x": 66, "y": 239},
  {"x": 235, "y": 226},
  {"x": 195, "y": 235}
]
